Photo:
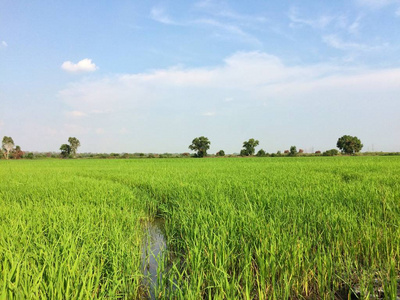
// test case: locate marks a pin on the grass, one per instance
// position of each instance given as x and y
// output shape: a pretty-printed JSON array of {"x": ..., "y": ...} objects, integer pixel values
[{"x": 236, "y": 228}]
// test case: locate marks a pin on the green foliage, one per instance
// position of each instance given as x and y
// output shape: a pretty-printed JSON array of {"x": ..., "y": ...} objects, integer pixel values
[
  {"x": 236, "y": 228},
  {"x": 65, "y": 150},
  {"x": 249, "y": 147},
  {"x": 221, "y": 153},
  {"x": 332, "y": 152},
  {"x": 7, "y": 146},
  {"x": 292, "y": 151},
  {"x": 74, "y": 143},
  {"x": 261, "y": 153},
  {"x": 349, "y": 144},
  {"x": 201, "y": 145}
]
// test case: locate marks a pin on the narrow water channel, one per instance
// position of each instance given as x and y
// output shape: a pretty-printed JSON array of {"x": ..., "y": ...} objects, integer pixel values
[{"x": 152, "y": 255}]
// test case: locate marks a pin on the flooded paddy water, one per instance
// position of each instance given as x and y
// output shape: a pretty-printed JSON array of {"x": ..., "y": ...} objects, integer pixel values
[{"x": 153, "y": 250}]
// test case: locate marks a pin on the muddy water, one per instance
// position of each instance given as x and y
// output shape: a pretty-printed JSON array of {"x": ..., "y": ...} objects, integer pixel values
[{"x": 152, "y": 255}]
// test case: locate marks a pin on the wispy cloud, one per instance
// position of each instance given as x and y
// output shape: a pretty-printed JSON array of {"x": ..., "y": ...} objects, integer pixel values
[
  {"x": 253, "y": 74},
  {"x": 319, "y": 23},
  {"x": 155, "y": 103},
  {"x": 85, "y": 65},
  {"x": 398, "y": 12},
  {"x": 76, "y": 114},
  {"x": 354, "y": 27},
  {"x": 234, "y": 31},
  {"x": 209, "y": 114},
  {"x": 336, "y": 42},
  {"x": 3, "y": 44},
  {"x": 158, "y": 14}
]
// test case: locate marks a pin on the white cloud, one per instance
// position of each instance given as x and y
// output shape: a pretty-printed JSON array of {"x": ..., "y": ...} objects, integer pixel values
[
  {"x": 318, "y": 23},
  {"x": 3, "y": 44},
  {"x": 233, "y": 30},
  {"x": 85, "y": 65},
  {"x": 209, "y": 114},
  {"x": 158, "y": 14},
  {"x": 398, "y": 12},
  {"x": 354, "y": 27},
  {"x": 249, "y": 75},
  {"x": 174, "y": 104},
  {"x": 76, "y": 114},
  {"x": 336, "y": 42}
]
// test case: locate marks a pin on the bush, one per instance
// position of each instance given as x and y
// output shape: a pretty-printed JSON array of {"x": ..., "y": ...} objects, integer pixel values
[
  {"x": 29, "y": 155},
  {"x": 293, "y": 151},
  {"x": 261, "y": 153},
  {"x": 221, "y": 153},
  {"x": 332, "y": 152}
]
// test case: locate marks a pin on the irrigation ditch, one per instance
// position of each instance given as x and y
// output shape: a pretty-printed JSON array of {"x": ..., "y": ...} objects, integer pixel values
[
  {"x": 152, "y": 260},
  {"x": 156, "y": 261}
]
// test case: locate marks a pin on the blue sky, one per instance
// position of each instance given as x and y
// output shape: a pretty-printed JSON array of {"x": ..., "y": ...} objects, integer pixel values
[{"x": 149, "y": 76}]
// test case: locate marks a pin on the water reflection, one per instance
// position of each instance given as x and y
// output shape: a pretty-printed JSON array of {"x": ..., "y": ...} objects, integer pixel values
[{"x": 152, "y": 255}]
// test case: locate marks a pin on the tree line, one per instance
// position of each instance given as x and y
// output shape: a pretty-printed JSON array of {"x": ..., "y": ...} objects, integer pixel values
[{"x": 347, "y": 144}]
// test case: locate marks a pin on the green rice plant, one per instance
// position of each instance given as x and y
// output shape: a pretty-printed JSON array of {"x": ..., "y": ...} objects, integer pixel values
[{"x": 236, "y": 228}]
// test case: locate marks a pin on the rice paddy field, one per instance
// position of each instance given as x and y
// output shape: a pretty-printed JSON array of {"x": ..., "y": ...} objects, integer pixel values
[{"x": 235, "y": 228}]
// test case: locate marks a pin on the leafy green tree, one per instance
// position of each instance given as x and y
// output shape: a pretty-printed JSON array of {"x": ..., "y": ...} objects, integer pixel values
[
  {"x": 261, "y": 153},
  {"x": 7, "y": 146},
  {"x": 201, "y": 145},
  {"x": 349, "y": 144},
  {"x": 331, "y": 152},
  {"x": 74, "y": 144},
  {"x": 292, "y": 151},
  {"x": 249, "y": 147},
  {"x": 221, "y": 153},
  {"x": 65, "y": 150}
]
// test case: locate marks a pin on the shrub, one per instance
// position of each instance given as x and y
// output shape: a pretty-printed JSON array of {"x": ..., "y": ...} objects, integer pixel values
[
  {"x": 332, "y": 152},
  {"x": 261, "y": 153},
  {"x": 221, "y": 153}
]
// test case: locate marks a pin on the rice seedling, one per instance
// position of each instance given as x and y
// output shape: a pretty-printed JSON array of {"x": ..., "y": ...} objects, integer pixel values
[{"x": 253, "y": 228}]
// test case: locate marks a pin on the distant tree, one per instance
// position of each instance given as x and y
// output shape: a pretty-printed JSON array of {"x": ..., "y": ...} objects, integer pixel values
[
  {"x": 318, "y": 152},
  {"x": 18, "y": 152},
  {"x": 261, "y": 153},
  {"x": 249, "y": 147},
  {"x": 331, "y": 152},
  {"x": 221, "y": 153},
  {"x": 293, "y": 151},
  {"x": 201, "y": 145},
  {"x": 7, "y": 146},
  {"x": 65, "y": 150},
  {"x": 349, "y": 144},
  {"x": 74, "y": 144},
  {"x": 301, "y": 151}
]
